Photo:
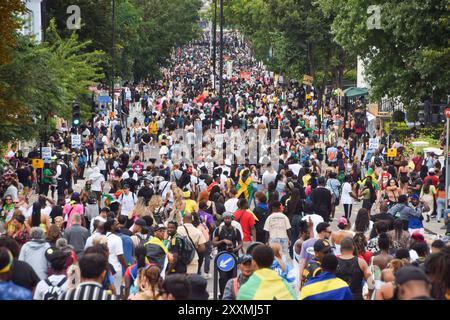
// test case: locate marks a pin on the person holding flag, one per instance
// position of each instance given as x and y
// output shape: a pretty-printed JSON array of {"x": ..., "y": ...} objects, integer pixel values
[{"x": 245, "y": 185}]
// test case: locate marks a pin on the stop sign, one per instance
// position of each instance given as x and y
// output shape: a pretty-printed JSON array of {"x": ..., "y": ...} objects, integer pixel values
[{"x": 447, "y": 113}]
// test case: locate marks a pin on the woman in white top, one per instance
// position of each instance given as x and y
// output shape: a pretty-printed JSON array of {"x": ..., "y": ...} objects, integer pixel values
[{"x": 348, "y": 196}]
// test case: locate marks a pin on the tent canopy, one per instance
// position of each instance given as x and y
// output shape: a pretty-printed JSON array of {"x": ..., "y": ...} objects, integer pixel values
[{"x": 353, "y": 92}]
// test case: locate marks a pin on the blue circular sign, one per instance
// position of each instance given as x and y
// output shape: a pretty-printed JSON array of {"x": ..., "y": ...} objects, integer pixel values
[{"x": 225, "y": 261}]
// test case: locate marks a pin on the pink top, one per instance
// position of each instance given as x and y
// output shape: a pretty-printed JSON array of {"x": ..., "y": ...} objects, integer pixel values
[{"x": 78, "y": 208}]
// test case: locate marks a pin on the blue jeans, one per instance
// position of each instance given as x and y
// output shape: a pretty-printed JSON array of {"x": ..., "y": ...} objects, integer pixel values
[{"x": 441, "y": 207}]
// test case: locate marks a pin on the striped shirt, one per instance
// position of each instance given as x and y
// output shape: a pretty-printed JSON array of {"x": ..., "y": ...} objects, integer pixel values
[
  {"x": 88, "y": 291},
  {"x": 326, "y": 286}
]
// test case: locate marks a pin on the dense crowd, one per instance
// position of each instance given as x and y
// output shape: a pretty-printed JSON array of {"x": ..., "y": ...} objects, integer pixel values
[{"x": 172, "y": 177}]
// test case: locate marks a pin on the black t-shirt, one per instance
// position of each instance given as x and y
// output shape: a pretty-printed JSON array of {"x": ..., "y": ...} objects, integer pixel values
[
  {"x": 23, "y": 174},
  {"x": 384, "y": 217},
  {"x": 22, "y": 274},
  {"x": 124, "y": 159},
  {"x": 231, "y": 234},
  {"x": 146, "y": 193},
  {"x": 321, "y": 198},
  {"x": 146, "y": 137},
  {"x": 57, "y": 211}
]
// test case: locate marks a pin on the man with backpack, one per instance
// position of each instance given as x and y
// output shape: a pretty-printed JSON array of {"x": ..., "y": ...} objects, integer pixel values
[
  {"x": 181, "y": 248},
  {"x": 197, "y": 239},
  {"x": 55, "y": 285}
]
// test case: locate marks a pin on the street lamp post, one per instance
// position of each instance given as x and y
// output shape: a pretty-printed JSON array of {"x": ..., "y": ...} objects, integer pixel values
[
  {"x": 214, "y": 40},
  {"x": 221, "y": 102},
  {"x": 113, "y": 53}
]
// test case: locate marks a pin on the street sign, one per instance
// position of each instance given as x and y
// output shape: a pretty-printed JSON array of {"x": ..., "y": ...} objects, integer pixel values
[
  {"x": 76, "y": 141},
  {"x": 447, "y": 112},
  {"x": 47, "y": 154},
  {"x": 374, "y": 143},
  {"x": 37, "y": 163},
  {"x": 392, "y": 153},
  {"x": 225, "y": 261}
]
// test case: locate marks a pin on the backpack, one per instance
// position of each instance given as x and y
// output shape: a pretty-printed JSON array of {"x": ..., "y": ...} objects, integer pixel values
[
  {"x": 53, "y": 292},
  {"x": 186, "y": 249}
]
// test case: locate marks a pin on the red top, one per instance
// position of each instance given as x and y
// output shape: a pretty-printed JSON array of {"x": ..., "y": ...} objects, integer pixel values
[
  {"x": 434, "y": 180},
  {"x": 417, "y": 163},
  {"x": 247, "y": 221},
  {"x": 367, "y": 256}
]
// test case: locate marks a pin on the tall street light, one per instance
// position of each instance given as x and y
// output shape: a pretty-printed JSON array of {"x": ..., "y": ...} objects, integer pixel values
[
  {"x": 214, "y": 40},
  {"x": 221, "y": 102},
  {"x": 113, "y": 50}
]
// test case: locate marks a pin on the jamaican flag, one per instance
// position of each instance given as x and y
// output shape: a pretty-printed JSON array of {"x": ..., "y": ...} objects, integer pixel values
[
  {"x": 245, "y": 185},
  {"x": 266, "y": 284}
]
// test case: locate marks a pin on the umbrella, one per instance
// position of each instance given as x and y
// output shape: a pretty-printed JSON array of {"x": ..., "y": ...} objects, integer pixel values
[{"x": 353, "y": 92}]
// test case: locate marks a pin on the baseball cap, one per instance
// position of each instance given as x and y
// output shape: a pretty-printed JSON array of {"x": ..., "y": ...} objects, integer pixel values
[
  {"x": 322, "y": 246},
  {"x": 126, "y": 186},
  {"x": 227, "y": 215},
  {"x": 414, "y": 196},
  {"x": 140, "y": 222},
  {"x": 418, "y": 237},
  {"x": 160, "y": 227},
  {"x": 343, "y": 220},
  {"x": 245, "y": 258},
  {"x": 431, "y": 170},
  {"x": 410, "y": 273}
]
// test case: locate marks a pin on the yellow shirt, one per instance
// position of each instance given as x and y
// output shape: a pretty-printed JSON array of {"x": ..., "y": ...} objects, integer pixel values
[
  {"x": 306, "y": 179},
  {"x": 153, "y": 128},
  {"x": 191, "y": 206}
]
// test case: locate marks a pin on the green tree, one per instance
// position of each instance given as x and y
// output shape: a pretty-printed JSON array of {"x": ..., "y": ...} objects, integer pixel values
[
  {"x": 299, "y": 34},
  {"x": 42, "y": 80},
  {"x": 408, "y": 57}
]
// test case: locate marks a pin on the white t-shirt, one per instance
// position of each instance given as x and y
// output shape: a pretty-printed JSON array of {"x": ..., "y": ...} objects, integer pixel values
[
  {"x": 128, "y": 202},
  {"x": 267, "y": 178},
  {"x": 42, "y": 286},
  {"x": 346, "y": 190},
  {"x": 316, "y": 219},
  {"x": 115, "y": 247},
  {"x": 231, "y": 205},
  {"x": 97, "y": 183},
  {"x": 277, "y": 225},
  {"x": 295, "y": 168}
]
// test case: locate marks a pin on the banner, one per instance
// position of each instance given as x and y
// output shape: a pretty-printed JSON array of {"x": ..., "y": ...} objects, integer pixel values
[{"x": 244, "y": 75}]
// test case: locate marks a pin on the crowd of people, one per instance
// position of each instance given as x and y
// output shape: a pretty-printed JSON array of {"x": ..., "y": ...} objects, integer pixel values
[{"x": 156, "y": 209}]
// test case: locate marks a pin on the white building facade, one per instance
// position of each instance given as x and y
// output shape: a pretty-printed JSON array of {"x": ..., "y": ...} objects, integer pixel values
[{"x": 33, "y": 19}]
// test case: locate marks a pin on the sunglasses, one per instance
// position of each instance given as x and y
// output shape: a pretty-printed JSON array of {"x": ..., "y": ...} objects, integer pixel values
[{"x": 16, "y": 202}]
